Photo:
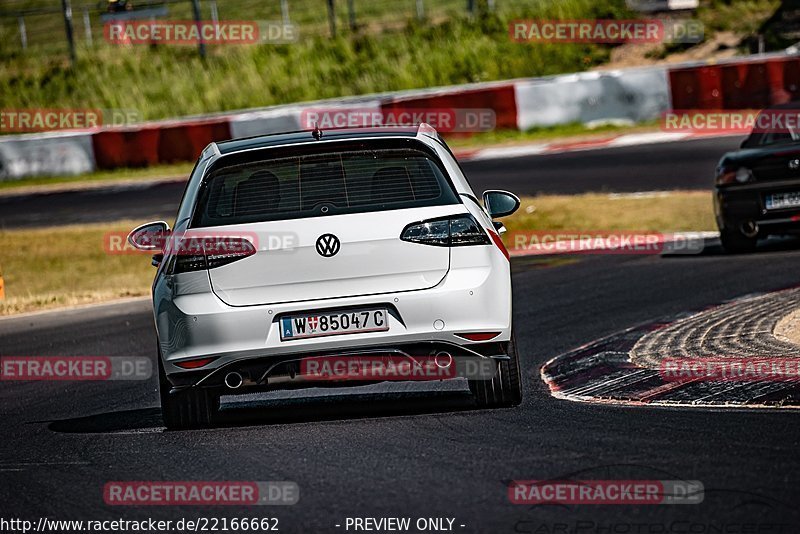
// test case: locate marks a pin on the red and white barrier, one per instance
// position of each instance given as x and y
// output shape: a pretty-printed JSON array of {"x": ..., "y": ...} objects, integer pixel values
[
  {"x": 753, "y": 83},
  {"x": 168, "y": 142},
  {"x": 53, "y": 153},
  {"x": 630, "y": 95},
  {"x": 500, "y": 98}
]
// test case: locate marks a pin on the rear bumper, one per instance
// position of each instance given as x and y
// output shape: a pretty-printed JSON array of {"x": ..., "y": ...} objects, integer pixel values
[
  {"x": 739, "y": 204},
  {"x": 197, "y": 325},
  {"x": 287, "y": 371}
]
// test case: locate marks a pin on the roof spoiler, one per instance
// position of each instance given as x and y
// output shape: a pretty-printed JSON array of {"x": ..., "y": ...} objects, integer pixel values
[
  {"x": 428, "y": 131},
  {"x": 210, "y": 150}
]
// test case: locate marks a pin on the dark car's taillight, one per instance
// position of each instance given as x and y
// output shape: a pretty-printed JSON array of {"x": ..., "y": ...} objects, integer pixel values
[
  {"x": 455, "y": 231},
  {"x": 196, "y": 254},
  {"x": 733, "y": 175}
]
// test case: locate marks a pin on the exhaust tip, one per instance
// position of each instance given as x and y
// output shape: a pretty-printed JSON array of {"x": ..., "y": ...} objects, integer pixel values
[
  {"x": 749, "y": 228},
  {"x": 443, "y": 360},
  {"x": 233, "y": 380}
]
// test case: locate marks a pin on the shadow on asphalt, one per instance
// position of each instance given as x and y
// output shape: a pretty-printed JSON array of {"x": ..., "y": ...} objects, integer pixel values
[{"x": 282, "y": 411}]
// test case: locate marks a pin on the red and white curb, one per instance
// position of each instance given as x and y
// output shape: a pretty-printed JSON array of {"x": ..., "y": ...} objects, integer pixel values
[{"x": 610, "y": 370}]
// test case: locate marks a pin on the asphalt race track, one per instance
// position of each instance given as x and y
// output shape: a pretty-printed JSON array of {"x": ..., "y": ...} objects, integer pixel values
[
  {"x": 665, "y": 166},
  {"x": 423, "y": 450},
  {"x": 417, "y": 451}
]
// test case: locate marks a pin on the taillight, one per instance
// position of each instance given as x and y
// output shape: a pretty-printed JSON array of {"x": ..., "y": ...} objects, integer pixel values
[
  {"x": 455, "y": 231},
  {"x": 729, "y": 175},
  {"x": 193, "y": 253},
  {"x": 194, "y": 364},
  {"x": 479, "y": 336},
  {"x": 499, "y": 243},
  {"x": 435, "y": 232},
  {"x": 228, "y": 250}
]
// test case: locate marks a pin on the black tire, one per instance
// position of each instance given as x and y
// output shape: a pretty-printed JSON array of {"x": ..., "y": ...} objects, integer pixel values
[
  {"x": 735, "y": 242},
  {"x": 191, "y": 408},
  {"x": 505, "y": 389}
]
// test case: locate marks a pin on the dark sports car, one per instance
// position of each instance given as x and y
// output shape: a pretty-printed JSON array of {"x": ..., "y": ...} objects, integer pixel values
[{"x": 757, "y": 189}]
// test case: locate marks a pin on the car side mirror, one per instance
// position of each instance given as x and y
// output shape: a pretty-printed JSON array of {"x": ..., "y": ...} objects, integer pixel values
[
  {"x": 150, "y": 236},
  {"x": 500, "y": 203}
]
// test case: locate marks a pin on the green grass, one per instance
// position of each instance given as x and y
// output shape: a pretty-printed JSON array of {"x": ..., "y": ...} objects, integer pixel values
[
  {"x": 171, "y": 81},
  {"x": 739, "y": 16},
  {"x": 674, "y": 211},
  {"x": 65, "y": 266}
]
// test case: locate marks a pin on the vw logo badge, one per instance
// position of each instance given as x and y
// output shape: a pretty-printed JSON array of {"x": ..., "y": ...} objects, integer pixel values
[
  {"x": 794, "y": 164},
  {"x": 328, "y": 245}
]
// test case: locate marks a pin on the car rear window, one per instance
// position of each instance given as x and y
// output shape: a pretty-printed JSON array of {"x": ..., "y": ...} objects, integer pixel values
[
  {"x": 780, "y": 137},
  {"x": 772, "y": 132},
  {"x": 320, "y": 184}
]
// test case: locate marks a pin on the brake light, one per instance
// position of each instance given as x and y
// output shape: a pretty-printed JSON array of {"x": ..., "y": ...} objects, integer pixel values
[
  {"x": 194, "y": 364},
  {"x": 499, "y": 243},
  {"x": 479, "y": 336},
  {"x": 455, "y": 231},
  {"x": 193, "y": 253},
  {"x": 729, "y": 175}
]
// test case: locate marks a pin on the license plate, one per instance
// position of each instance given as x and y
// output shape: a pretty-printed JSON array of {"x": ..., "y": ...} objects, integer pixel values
[
  {"x": 782, "y": 200},
  {"x": 334, "y": 323}
]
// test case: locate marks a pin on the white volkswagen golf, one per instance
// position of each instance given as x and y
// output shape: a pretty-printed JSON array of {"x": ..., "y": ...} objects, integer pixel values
[{"x": 314, "y": 247}]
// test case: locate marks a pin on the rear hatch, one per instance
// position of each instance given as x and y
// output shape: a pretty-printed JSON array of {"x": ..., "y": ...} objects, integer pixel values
[
  {"x": 371, "y": 259},
  {"x": 772, "y": 150},
  {"x": 780, "y": 163},
  {"x": 328, "y": 223}
]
